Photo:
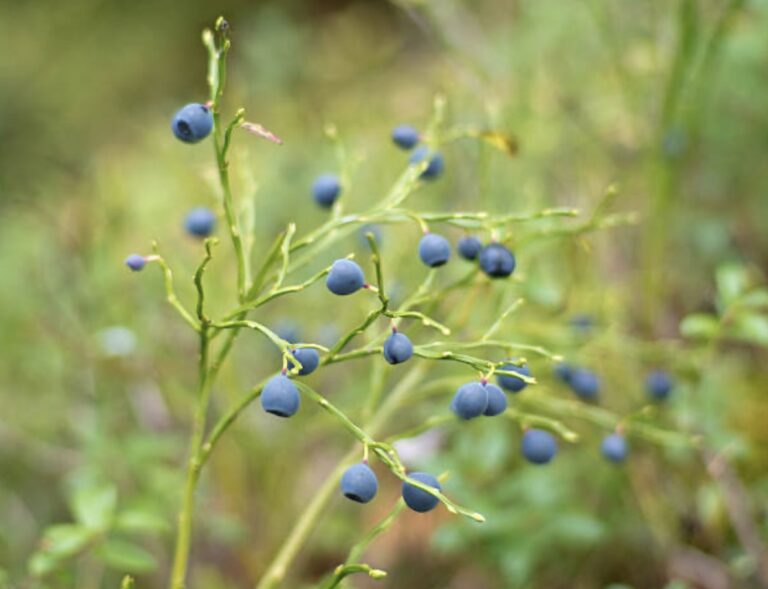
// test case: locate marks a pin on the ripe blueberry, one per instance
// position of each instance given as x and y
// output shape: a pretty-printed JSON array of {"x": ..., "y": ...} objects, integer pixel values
[
  {"x": 309, "y": 358},
  {"x": 135, "y": 262},
  {"x": 192, "y": 123},
  {"x": 436, "y": 162},
  {"x": 280, "y": 397},
  {"x": 658, "y": 385},
  {"x": 512, "y": 383},
  {"x": 398, "y": 348},
  {"x": 497, "y": 401},
  {"x": 563, "y": 371},
  {"x": 405, "y": 136},
  {"x": 469, "y": 247},
  {"x": 326, "y": 190},
  {"x": 614, "y": 448},
  {"x": 359, "y": 483},
  {"x": 200, "y": 222},
  {"x": 584, "y": 383},
  {"x": 418, "y": 499},
  {"x": 470, "y": 400},
  {"x": 497, "y": 261},
  {"x": 345, "y": 277},
  {"x": 538, "y": 446},
  {"x": 434, "y": 250}
]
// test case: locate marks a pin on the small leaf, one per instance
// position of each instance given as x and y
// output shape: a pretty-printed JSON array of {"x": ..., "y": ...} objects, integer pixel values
[
  {"x": 94, "y": 506},
  {"x": 141, "y": 521},
  {"x": 751, "y": 327},
  {"x": 732, "y": 282},
  {"x": 125, "y": 556},
  {"x": 501, "y": 141},
  {"x": 59, "y": 542},
  {"x": 699, "y": 326}
]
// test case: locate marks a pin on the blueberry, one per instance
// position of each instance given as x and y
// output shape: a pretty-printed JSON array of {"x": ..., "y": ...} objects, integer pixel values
[
  {"x": 497, "y": 401},
  {"x": 135, "y": 262},
  {"x": 405, "y": 136},
  {"x": 614, "y": 448},
  {"x": 434, "y": 250},
  {"x": 469, "y": 247},
  {"x": 192, "y": 123},
  {"x": 470, "y": 400},
  {"x": 436, "y": 162},
  {"x": 280, "y": 397},
  {"x": 497, "y": 261},
  {"x": 584, "y": 383},
  {"x": 658, "y": 385},
  {"x": 512, "y": 383},
  {"x": 563, "y": 371},
  {"x": 345, "y": 277},
  {"x": 359, "y": 483},
  {"x": 398, "y": 348},
  {"x": 309, "y": 358},
  {"x": 538, "y": 446},
  {"x": 200, "y": 222},
  {"x": 326, "y": 190},
  {"x": 365, "y": 229},
  {"x": 418, "y": 499}
]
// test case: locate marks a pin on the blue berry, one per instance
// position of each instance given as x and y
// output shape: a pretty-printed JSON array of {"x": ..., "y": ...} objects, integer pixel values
[
  {"x": 614, "y": 448},
  {"x": 584, "y": 383},
  {"x": 469, "y": 247},
  {"x": 309, "y": 358},
  {"x": 405, "y": 136},
  {"x": 135, "y": 262},
  {"x": 497, "y": 261},
  {"x": 497, "y": 401},
  {"x": 326, "y": 190},
  {"x": 470, "y": 400},
  {"x": 436, "y": 162},
  {"x": 359, "y": 483},
  {"x": 200, "y": 222},
  {"x": 512, "y": 383},
  {"x": 416, "y": 498},
  {"x": 375, "y": 229},
  {"x": 345, "y": 277},
  {"x": 658, "y": 385},
  {"x": 398, "y": 348},
  {"x": 434, "y": 250},
  {"x": 280, "y": 397},
  {"x": 563, "y": 371},
  {"x": 192, "y": 123},
  {"x": 538, "y": 446}
]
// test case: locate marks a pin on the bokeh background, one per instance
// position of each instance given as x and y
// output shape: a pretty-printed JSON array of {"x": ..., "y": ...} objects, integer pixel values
[{"x": 665, "y": 98}]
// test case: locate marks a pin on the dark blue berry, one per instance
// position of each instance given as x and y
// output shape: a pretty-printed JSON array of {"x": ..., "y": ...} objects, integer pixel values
[
  {"x": 469, "y": 247},
  {"x": 326, "y": 190},
  {"x": 345, "y": 277},
  {"x": 280, "y": 397},
  {"x": 418, "y": 499},
  {"x": 436, "y": 163},
  {"x": 538, "y": 446},
  {"x": 497, "y": 261},
  {"x": 135, "y": 262},
  {"x": 434, "y": 250},
  {"x": 658, "y": 385},
  {"x": 584, "y": 383},
  {"x": 200, "y": 222},
  {"x": 497, "y": 401},
  {"x": 470, "y": 400},
  {"x": 192, "y": 123},
  {"x": 563, "y": 371},
  {"x": 398, "y": 348},
  {"x": 309, "y": 358},
  {"x": 614, "y": 447},
  {"x": 359, "y": 483},
  {"x": 405, "y": 136},
  {"x": 512, "y": 383}
]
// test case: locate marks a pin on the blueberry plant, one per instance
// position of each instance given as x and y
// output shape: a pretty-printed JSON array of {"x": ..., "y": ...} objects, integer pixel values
[{"x": 486, "y": 251}]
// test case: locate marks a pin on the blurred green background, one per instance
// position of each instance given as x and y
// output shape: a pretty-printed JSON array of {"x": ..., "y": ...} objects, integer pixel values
[{"x": 665, "y": 98}]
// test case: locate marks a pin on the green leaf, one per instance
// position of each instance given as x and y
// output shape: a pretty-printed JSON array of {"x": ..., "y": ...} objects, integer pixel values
[
  {"x": 94, "y": 506},
  {"x": 732, "y": 281},
  {"x": 125, "y": 556},
  {"x": 59, "y": 542},
  {"x": 750, "y": 327},
  {"x": 700, "y": 326},
  {"x": 140, "y": 521}
]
